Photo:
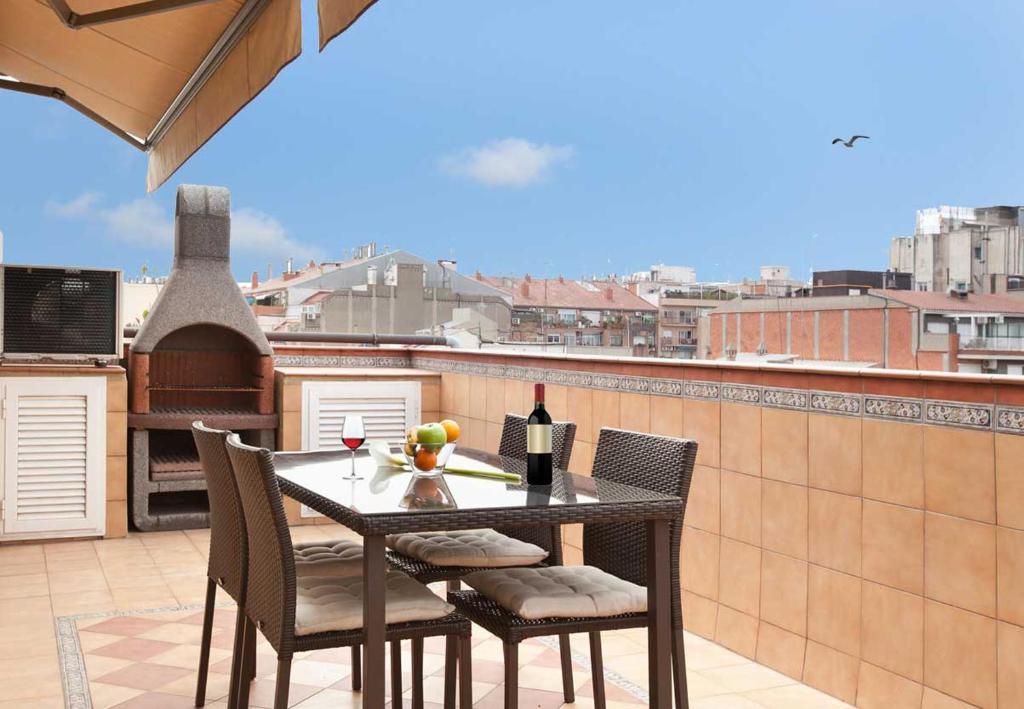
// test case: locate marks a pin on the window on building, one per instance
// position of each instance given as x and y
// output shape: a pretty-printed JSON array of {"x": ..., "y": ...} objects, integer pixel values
[
  {"x": 591, "y": 340},
  {"x": 616, "y": 340},
  {"x": 555, "y": 339},
  {"x": 567, "y": 316},
  {"x": 977, "y": 253}
]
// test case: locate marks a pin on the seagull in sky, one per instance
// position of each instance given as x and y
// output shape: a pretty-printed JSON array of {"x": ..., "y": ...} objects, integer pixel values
[{"x": 849, "y": 143}]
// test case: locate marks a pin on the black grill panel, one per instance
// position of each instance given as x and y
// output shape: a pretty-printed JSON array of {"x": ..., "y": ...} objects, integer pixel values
[{"x": 59, "y": 311}]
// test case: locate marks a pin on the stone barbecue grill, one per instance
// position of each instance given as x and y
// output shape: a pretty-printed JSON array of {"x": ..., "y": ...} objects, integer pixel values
[{"x": 200, "y": 354}]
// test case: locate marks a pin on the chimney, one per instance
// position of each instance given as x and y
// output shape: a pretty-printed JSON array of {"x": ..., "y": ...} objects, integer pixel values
[
  {"x": 270, "y": 271},
  {"x": 288, "y": 268},
  {"x": 479, "y": 276},
  {"x": 311, "y": 264},
  {"x": 527, "y": 278},
  {"x": 609, "y": 294},
  {"x": 561, "y": 280},
  {"x": 524, "y": 288},
  {"x": 255, "y": 282}
]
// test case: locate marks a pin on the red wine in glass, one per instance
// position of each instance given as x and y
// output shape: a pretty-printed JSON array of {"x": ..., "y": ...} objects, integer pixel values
[{"x": 353, "y": 434}]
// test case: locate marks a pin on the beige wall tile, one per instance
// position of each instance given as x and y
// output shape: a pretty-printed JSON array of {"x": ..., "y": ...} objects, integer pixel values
[
  {"x": 741, "y": 507},
  {"x": 667, "y": 415},
  {"x": 784, "y": 518},
  {"x": 937, "y": 700},
  {"x": 781, "y": 650},
  {"x": 831, "y": 671},
  {"x": 460, "y": 402},
  {"x": 117, "y": 433},
  {"x": 448, "y": 391},
  {"x": 784, "y": 592},
  {"x": 736, "y": 631},
  {"x": 892, "y": 630},
  {"x": 289, "y": 432},
  {"x": 1010, "y": 564},
  {"x": 1010, "y": 480},
  {"x": 699, "y": 572},
  {"x": 580, "y": 404},
  {"x": 834, "y": 531},
  {"x": 557, "y": 402},
  {"x": 605, "y": 412},
  {"x": 741, "y": 438},
  {"x": 117, "y": 393},
  {"x": 834, "y": 453},
  {"x": 960, "y": 562},
  {"x": 291, "y": 396},
  {"x": 514, "y": 397},
  {"x": 635, "y": 412},
  {"x": 117, "y": 477},
  {"x": 1011, "y": 665},
  {"x": 834, "y": 609},
  {"x": 117, "y": 519},
  {"x": 784, "y": 445},
  {"x": 739, "y": 585},
  {"x": 702, "y": 423},
  {"x": 960, "y": 653},
  {"x": 477, "y": 398},
  {"x": 959, "y": 472},
  {"x": 893, "y": 552},
  {"x": 703, "y": 504},
  {"x": 881, "y": 689},
  {"x": 699, "y": 615},
  {"x": 582, "y": 460},
  {"x": 492, "y": 436},
  {"x": 430, "y": 395},
  {"x": 893, "y": 462}
]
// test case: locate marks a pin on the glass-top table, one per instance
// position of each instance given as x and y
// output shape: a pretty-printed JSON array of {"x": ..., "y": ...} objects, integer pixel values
[{"x": 388, "y": 501}]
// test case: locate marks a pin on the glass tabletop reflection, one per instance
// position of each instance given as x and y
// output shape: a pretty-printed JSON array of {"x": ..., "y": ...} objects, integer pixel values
[{"x": 391, "y": 490}]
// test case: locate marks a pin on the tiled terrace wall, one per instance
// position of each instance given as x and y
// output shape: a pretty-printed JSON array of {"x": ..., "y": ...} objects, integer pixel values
[{"x": 861, "y": 532}]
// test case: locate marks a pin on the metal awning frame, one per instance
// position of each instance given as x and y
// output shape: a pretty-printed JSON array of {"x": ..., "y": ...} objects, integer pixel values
[{"x": 235, "y": 30}]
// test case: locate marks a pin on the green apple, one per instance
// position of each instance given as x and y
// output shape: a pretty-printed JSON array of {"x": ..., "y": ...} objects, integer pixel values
[{"x": 431, "y": 435}]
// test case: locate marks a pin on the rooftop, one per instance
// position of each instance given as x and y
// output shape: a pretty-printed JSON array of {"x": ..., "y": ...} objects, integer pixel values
[{"x": 566, "y": 293}]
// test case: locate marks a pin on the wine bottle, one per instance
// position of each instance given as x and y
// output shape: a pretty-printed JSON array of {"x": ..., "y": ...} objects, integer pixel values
[{"x": 538, "y": 441}]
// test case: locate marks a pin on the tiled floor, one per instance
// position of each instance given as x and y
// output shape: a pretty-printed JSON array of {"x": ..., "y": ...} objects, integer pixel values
[{"x": 130, "y": 611}]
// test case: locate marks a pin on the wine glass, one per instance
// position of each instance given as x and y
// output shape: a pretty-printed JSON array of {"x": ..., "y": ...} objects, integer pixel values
[{"x": 352, "y": 435}]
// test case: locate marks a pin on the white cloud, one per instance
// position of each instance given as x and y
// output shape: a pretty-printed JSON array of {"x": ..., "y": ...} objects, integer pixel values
[
  {"x": 509, "y": 162},
  {"x": 142, "y": 222}
]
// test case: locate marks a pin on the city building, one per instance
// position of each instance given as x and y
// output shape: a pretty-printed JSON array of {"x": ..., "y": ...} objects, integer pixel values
[
  {"x": 595, "y": 316},
  {"x": 392, "y": 293},
  {"x": 854, "y": 282},
  {"x": 899, "y": 329},
  {"x": 980, "y": 250}
]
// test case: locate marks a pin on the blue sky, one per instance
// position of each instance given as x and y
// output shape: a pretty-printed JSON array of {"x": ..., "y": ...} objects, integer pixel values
[{"x": 567, "y": 137}]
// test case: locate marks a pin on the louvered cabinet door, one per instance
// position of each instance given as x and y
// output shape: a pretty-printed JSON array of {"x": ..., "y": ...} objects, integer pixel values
[
  {"x": 388, "y": 409},
  {"x": 54, "y": 475}
]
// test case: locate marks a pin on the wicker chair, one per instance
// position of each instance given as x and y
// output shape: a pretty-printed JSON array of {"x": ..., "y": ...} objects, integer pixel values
[
  {"x": 657, "y": 463},
  {"x": 512, "y": 445},
  {"x": 274, "y": 593},
  {"x": 229, "y": 552}
]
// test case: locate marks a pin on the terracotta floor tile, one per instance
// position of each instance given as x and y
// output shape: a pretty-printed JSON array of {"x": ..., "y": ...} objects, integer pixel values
[
  {"x": 125, "y": 625},
  {"x": 143, "y": 675},
  {"x": 157, "y": 700},
  {"x": 138, "y": 649}
]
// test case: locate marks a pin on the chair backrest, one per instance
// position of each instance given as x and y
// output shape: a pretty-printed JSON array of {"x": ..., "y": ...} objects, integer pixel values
[
  {"x": 657, "y": 463},
  {"x": 270, "y": 594},
  {"x": 229, "y": 548},
  {"x": 513, "y": 445},
  {"x": 513, "y": 440}
]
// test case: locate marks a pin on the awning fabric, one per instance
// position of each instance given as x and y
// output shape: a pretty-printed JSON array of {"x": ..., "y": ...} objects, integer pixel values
[{"x": 166, "y": 81}]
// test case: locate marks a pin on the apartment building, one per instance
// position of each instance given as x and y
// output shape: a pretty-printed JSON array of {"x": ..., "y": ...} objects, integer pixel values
[
  {"x": 597, "y": 316},
  {"x": 980, "y": 250},
  {"x": 899, "y": 329}
]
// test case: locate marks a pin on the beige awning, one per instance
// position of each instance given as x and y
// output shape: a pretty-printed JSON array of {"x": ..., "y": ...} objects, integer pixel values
[{"x": 165, "y": 75}]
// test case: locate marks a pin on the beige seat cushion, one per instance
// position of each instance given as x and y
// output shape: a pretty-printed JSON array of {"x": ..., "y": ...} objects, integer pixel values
[
  {"x": 328, "y": 603},
  {"x": 470, "y": 547},
  {"x": 560, "y": 592},
  {"x": 342, "y": 557}
]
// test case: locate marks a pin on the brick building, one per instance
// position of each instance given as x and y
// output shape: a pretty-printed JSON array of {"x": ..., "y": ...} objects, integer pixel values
[{"x": 884, "y": 328}]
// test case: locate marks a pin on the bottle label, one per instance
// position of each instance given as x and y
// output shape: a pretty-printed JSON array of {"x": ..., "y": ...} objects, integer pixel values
[{"x": 538, "y": 438}]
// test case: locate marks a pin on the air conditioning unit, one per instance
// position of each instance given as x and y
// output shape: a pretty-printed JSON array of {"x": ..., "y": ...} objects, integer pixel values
[{"x": 60, "y": 314}]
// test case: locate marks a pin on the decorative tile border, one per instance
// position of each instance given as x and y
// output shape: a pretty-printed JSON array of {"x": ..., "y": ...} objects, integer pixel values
[{"x": 1005, "y": 419}]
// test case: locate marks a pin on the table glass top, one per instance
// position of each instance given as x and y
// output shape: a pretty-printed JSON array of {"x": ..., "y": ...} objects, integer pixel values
[{"x": 387, "y": 490}]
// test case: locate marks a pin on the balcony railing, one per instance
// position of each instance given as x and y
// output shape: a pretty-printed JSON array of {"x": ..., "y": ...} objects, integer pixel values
[{"x": 1001, "y": 343}]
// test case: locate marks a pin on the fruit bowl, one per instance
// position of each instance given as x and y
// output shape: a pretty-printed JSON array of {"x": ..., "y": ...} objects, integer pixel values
[{"x": 428, "y": 459}]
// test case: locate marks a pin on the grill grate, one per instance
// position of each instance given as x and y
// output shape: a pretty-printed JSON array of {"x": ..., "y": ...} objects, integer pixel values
[{"x": 59, "y": 311}]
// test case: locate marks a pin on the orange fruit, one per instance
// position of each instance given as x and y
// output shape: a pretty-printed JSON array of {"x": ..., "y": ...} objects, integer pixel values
[
  {"x": 425, "y": 460},
  {"x": 452, "y": 429}
]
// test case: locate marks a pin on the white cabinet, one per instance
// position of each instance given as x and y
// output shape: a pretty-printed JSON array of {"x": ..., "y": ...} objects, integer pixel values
[
  {"x": 388, "y": 409},
  {"x": 53, "y": 475}
]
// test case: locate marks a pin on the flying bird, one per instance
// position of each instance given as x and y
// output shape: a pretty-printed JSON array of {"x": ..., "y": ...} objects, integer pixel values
[{"x": 849, "y": 143}]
